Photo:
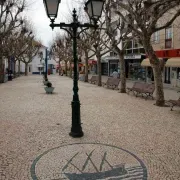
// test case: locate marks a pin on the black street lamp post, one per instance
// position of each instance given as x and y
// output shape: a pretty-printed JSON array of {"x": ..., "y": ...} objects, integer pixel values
[
  {"x": 46, "y": 64},
  {"x": 94, "y": 10}
]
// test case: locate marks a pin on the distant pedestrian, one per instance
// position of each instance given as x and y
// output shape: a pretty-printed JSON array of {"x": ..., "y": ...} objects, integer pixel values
[{"x": 115, "y": 74}]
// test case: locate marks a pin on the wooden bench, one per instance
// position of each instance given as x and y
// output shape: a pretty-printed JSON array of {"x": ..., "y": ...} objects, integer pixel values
[
  {"x": 174, "y": 102},
  {"x": 136, "y": 85},
  {"x": 142, "y": 89},
  {"x": 112, "y": 83},
  {"x": 93, "y": 80}
]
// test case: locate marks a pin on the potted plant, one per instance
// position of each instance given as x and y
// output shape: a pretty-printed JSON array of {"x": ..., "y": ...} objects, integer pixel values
[{"x": 49, "y": 89}]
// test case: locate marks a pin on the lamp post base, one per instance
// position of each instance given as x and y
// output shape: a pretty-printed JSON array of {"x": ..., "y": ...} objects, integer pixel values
[
  {"x": 76, "y": 134},
  {"x": 76, "y": 129}
]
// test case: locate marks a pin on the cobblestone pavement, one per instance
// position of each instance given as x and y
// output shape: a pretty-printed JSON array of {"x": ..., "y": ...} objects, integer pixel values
[{"x": 34, "y": 127}]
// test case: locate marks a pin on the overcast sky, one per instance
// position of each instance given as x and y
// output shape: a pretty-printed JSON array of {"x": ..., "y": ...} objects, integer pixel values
[{"x": 36, "y": 13}]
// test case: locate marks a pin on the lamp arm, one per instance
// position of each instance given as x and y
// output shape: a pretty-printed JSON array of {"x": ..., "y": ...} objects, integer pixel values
[
  {"x": 86, "y": 26},
  {"x": 78, "y": 36},
  {"x": 63, "y": 26},
  {"x": 67, "y": 31}
]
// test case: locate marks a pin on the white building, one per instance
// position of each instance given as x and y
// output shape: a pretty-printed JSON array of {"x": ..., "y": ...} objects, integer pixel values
[{"x": 37, "y": 66}]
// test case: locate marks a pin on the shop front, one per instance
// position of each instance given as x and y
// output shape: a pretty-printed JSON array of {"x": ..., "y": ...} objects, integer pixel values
[
  {"x": 113, "y": 66},
  {"x": 109, "y": 64},
  {"x": 149, "y": 76},
  {"x": 104, "y": 66},
  {"x": 92, "y": 66},
  {"x": 134, "y": 70},
  {"x": 170, "y": 70},
  {"x": 173, "y": 64},
  {"x": 133, "y": 67}
]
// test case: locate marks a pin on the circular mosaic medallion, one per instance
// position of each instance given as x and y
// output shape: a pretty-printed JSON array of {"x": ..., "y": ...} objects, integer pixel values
[{"x": 88, "y": 161}]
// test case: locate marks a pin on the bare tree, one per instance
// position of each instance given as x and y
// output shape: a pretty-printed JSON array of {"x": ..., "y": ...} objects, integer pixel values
[
  {"x": 61, "y": 49},
  {"x": 142, "y": 17},
  {"x": 57, "y": 51},
  {"x": 10, "y": 19},
  {"x": 119, "y": 35},
  {"x": 99, "y": 45},
  {"x": 21, "y": 44},
  {"x": 85, "y": 44},
  {"x": 16, "y": 45},
  {"x": 30, "y": 53}
]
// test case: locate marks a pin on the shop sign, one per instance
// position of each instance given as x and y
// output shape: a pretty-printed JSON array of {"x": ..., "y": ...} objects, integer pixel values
[{"x": 133, "y": 56}]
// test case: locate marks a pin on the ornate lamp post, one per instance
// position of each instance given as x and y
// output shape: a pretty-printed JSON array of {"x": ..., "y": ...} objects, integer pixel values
[{"x": 94, "y": 10}]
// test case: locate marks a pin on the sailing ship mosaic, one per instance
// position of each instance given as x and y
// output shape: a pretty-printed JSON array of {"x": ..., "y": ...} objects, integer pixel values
[{"x": 88, "y": 161}]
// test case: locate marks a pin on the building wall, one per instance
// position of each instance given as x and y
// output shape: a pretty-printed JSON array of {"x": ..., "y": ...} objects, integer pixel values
[
  {"x": 33, "y": 66},
  {"x": 170, "y": 74},
  {"x": 159, "y": 41},
  {"x": 36, "y": 62},
  {"x": 176, "y": 33}
]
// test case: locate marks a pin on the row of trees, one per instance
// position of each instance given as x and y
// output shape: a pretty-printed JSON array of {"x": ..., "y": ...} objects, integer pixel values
[
  {"x": 130, "y": 19},
  {"x": 17, "y": 41}
]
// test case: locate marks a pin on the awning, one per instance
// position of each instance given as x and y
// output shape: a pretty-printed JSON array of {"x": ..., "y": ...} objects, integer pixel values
[
  {"x": 173, "y": 62},
  {"x": 90, "y": 61},
  {"x": 146, "y": 62},
  {"x": 79, "y": 64},
  {"x": 39, "y": 65}
]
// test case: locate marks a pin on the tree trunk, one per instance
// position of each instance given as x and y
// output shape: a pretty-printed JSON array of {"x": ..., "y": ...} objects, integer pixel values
[
  {"x": 59, "y": 69},
  {"x": 158, "y": 85},
  {"x": 86, "y": 67},
  {"x": 66, "y": 68},
  {"x": 157, "y": 73},
  {"x": 122, "y": 72},
  {"x": 19, "y": 67},
  {"x": 1, "y": 70},
  {"x": 9, "y": 64},
  {"x": 99, "y": 69},
  {"x": 14, "y": 69},
  {"x": 26, "y": 69}
]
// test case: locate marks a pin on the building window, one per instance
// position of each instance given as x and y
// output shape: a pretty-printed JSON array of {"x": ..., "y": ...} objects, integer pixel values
[
  {"x": 136, "y": 51},
  {"x": 168, "y": 37},
  {"x": 129, "y": 51},
  {"x": 134, "y": 47},
  {"x": 142, "y": 50},
  {"x": 129, "y": 45},
  {"x": 168, "y": 33},
  {"x": 136, "y": 44},
  {"x": 113, "y": 53},
  {"x": 155, "y": 37}
]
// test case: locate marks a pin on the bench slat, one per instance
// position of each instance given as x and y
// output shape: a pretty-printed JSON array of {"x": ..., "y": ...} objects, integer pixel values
[{"x": 142, "y": 89}]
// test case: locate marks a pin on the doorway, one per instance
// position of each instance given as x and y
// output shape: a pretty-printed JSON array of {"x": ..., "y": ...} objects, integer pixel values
[{"x": 167, "y": 75}]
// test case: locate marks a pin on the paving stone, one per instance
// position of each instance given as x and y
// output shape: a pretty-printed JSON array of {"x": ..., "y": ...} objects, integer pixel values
[{"x": 32, "y": 123}]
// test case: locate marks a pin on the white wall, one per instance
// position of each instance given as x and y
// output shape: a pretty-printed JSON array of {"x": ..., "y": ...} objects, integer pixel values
[{"x": 36, "y": 62}]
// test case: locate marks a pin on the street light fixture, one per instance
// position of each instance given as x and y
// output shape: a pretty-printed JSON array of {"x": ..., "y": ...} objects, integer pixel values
[
  {"x": 51, "y": 7},
  {"x": 94, "y": 10}
]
